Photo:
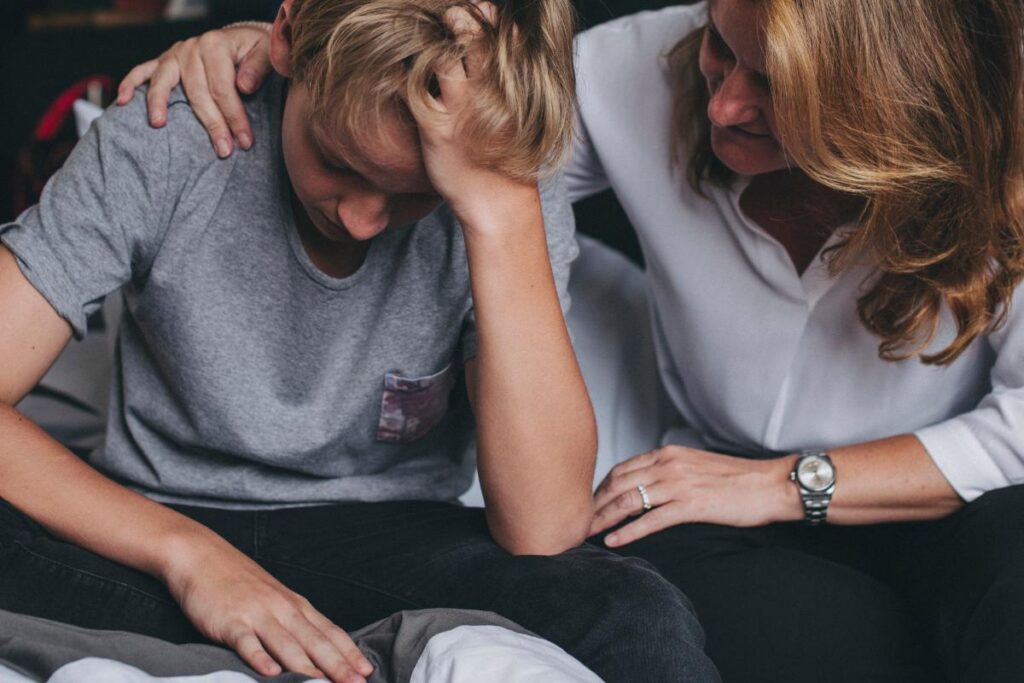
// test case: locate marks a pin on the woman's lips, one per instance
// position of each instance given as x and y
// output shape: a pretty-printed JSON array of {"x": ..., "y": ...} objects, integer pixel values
[{"x": 747, "y": 133}]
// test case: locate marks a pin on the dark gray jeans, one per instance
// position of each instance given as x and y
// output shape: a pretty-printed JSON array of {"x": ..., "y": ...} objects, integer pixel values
[
  {"x": 925, "y": 602},
  {"x": 360, "y": 562}
]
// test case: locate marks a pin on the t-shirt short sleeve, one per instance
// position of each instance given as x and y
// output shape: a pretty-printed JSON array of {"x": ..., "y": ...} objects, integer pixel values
[
  {"x": 100, "y": 218},
  {"x": 560, "y": 228}
]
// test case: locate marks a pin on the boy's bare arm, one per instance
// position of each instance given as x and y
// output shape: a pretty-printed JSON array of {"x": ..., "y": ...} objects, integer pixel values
[
  {"x": 227, "y": 596},
  {"x": 536, "y": 436},
  {"x": 536, "y": 433}
]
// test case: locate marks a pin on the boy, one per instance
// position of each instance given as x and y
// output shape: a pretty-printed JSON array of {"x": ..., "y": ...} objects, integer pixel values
[{"x": 297, "y": 321}]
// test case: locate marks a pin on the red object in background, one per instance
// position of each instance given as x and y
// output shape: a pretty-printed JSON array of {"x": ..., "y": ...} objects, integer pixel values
[{"x": 52, "y": 141}]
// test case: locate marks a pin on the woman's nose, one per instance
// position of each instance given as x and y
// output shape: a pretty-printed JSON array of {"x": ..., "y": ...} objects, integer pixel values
[{"x": 737, "y": 100}]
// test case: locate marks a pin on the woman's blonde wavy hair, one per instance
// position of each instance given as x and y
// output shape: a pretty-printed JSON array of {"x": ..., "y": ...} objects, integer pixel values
[
  {"x": 916, "y": 106},
  {"x": 364, "y": 59}
]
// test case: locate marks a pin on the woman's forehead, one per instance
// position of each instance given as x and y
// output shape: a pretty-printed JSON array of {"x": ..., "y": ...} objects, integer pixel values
[{"x": 739, "y": 23}]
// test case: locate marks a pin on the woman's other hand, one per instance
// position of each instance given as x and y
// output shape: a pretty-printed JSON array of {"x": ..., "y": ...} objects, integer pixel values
[
  {"x": 205, "y": 67},
  {"x": 687, "y": 485},
  {"x": 234, "y": 601}
]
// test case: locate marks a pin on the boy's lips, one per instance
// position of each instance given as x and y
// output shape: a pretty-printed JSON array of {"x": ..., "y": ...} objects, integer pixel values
[{"x": 334, "y": 231}]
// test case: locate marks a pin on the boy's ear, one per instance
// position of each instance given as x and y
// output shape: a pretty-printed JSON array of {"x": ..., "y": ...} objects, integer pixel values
[{"x": 281, "y": 40}]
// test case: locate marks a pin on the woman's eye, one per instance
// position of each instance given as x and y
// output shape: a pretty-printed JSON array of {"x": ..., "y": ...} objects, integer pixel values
[{"x": 717, "y": 43}]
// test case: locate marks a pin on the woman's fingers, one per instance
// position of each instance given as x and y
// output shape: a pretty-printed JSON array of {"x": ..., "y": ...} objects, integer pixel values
[
  {"x": 628, "y": 503},
  {"x": 626, "y": 475},
  {"x": 197, "y": 89},
  {"x": 610, "y": 485},
  {"x": 136, "y": 77},
  {"x": 638, "y": 462},
  {"x": 205, "y": 68},
  {"x": 228, "y": 119},
  {"x": 254, "y": 67},
  {"x": 657, "y": 519},
  {"x": 161, "y": 82}
]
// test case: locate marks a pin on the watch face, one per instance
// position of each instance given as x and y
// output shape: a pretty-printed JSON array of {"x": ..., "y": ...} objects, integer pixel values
[{"x": 816, "y": 474}]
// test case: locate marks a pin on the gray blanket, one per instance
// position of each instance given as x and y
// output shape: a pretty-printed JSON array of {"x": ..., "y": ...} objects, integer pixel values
[{"x": 37, "y": 648}]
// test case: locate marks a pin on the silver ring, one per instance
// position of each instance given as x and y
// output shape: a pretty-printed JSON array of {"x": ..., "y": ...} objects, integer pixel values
[{"x": 644, "y": 496}]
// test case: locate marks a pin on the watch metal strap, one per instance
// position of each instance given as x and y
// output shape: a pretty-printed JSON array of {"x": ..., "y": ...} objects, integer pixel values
[
  {"x": 816, "y": 502},
  {"x": 816, "y": 507}
]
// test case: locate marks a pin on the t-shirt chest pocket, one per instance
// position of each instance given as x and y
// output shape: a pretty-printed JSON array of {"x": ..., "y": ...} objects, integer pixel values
[{"x": 412, "y": 406}]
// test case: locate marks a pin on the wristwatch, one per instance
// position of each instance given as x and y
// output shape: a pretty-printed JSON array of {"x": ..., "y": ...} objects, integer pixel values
[{"x": 815, "y": 477}]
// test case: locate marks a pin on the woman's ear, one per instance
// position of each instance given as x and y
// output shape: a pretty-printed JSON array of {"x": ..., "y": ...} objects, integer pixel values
[{"x": 281, "y": 40}]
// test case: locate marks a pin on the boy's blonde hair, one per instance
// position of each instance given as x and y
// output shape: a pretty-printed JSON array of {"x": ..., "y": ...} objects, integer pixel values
[
  {"x": 364, "y": 59},
  {"x": 917, "y": 106}
]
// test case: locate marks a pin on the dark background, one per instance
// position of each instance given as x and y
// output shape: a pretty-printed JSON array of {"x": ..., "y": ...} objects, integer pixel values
[{"x": 37, "y": 63}]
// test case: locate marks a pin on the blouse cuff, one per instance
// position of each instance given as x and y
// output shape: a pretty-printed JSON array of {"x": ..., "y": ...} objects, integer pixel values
[{"x": 962, "y": 459}]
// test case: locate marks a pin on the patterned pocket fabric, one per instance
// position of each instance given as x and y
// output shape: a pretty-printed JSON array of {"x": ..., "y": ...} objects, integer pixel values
[{"x": 411, "y": 407}]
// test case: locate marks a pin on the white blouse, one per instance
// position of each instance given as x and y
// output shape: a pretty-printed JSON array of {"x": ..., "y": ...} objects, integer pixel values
[{"x": 755, "y": 357}]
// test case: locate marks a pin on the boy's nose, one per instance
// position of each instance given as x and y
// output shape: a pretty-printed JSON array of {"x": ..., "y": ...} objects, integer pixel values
[{"x": 364, "y": 215}]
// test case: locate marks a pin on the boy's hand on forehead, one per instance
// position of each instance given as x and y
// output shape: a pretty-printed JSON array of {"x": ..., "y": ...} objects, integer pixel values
[{"x": 469, "y": 188}]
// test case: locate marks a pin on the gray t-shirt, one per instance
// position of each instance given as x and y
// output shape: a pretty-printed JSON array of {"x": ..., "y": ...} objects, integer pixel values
[{"x": 244, "y": 376}]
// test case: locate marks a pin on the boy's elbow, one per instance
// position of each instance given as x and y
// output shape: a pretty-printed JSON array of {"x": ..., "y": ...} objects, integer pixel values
[{"x": 553, "y": 536}]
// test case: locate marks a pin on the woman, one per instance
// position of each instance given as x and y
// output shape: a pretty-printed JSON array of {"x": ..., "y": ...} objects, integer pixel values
[
  {"x": 287, "y": 429},
  {"x": 828, "y": 199}
]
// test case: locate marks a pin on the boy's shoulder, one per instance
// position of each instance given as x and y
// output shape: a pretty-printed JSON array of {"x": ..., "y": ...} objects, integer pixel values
[
  {"x": 183, "y": 132},
  {"x": 127, "y": 127},
  {"x": 134, "y": 115}
]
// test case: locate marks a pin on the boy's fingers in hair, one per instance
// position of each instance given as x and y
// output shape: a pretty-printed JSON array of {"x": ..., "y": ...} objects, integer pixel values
[
  {"x": 451, "y": 78},
  {"x": 136, "y": 77},
  {"x": 220, "y": 74},
  {"x": 465, "y": 24},
  {"x": 197, "y": 89},
  {"x": 476, "y": 57}
]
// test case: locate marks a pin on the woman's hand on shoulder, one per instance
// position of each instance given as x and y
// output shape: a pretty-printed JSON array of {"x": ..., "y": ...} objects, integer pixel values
[
  {"x": 234, "y": 601},
  {"x": 205, "y": 67},
  {"x": 686, "y": 485}
]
